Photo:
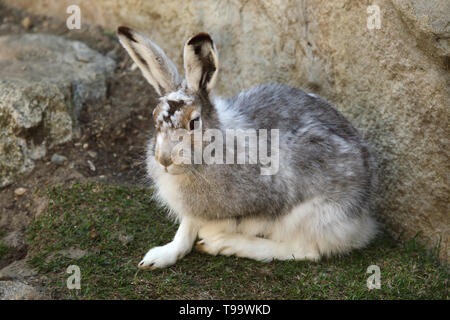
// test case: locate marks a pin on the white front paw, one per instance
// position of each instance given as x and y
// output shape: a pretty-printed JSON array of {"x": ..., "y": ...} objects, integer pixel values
[{"x": 161, "y": 257}]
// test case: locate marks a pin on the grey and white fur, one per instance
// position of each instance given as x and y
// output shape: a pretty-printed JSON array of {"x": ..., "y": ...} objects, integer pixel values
[{"x": 318, "y": 204}]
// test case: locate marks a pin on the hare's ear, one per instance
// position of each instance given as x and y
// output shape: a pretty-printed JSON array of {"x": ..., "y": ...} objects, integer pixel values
[
  {"x": 156, "y": 67},
  {"x": 200, "y": 62}
]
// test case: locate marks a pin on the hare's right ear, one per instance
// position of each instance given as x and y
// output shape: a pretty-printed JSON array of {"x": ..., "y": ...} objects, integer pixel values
[
  {"x": 156, "y": 67},
  {"x": 200, "y": 62}
]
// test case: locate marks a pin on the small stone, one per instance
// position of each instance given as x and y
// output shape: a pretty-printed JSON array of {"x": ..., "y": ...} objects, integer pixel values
[
  {"x": 85, "y": 146},
  {"x": 133, "y": 67},
  {"x": 20, "y": 191},
  {"x": 38, "y": 152},
  {"x": 93, "y": 234},
  {"x": 73, "y": 253},
  {"x": 92, "y": 154},
  {"x": 126, "y": 238},
  {"x": 58, "y": 159},
  {"x": 40, "y": 205},
  {"x": 91, "y": 165},
  {"x": 135, "y": 164},
  {"x": 26, "y": 23}
]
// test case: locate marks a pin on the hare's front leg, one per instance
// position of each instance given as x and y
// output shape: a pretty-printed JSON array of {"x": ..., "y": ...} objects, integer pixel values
[{"x": 167, "y": 255}]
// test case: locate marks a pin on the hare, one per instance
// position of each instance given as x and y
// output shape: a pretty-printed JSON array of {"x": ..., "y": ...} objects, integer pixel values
[{"x": 317, "y": 202}]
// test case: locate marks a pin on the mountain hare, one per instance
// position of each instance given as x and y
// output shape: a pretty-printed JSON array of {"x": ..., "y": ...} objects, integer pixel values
[{"x": 315, "y": 202}]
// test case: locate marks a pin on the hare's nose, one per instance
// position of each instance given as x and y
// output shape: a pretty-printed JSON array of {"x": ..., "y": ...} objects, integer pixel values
[{"x": 165, "y": 161}]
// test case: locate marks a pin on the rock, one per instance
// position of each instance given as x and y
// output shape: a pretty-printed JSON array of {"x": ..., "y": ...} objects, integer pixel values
[
  {"x": 112, "y": 54},
  {"x": 73, "y": 253},
  {"x": 126, "y": 238},
  {"x": 40, "y": 205},
  {"x": 20, "y": 191},
  {"x": 17, "y": 270},
  {"x": 392, "y": 82},
  {"x": 44, "y": 82},
  {"x": 65, "y": 174},
  {"x": 133, "y": 67},
  {"x": 93, "y": 234},
  {"x": 429, "y": 23},
  {"x": 26, "y": 23},
  {"x": 92, "y": 154},
  {"x": 14, "y": 157},
  {"x": 58, "y": 159},
  {"x": 37, "y": 152},
  {"x": 14, "y": 240},
  {"x": 18, "y": 290},
  {"x": 91, "y": 165}
]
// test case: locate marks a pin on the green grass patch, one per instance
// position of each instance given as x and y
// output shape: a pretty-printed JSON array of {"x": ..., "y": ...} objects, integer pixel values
[
  {"x": 97, "y": 218},
  {"x": 3, "y": 249},
  {"x": 109, "y": 32}
]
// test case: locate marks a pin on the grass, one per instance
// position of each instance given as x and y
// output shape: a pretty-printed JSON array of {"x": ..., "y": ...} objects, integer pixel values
[
  {"x": 96, "y": 218},
  {"x": 3, "y": 249},
  {"x": 109, "y": 32}
]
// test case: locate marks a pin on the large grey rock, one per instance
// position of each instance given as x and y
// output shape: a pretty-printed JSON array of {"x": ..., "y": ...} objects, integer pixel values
[
  {"x": 392, "y": 83},
  {"x": 44, "y": 82}
]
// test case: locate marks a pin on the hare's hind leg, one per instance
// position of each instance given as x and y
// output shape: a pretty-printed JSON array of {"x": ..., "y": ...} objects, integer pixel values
[
  {"x": 310, "y": 230},
  {"x": 253, "y": 247},
  {"x": 245, "y": 239}
]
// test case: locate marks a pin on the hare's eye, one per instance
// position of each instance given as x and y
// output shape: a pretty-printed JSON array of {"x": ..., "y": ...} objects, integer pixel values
[{"x": 194, "y": 123}]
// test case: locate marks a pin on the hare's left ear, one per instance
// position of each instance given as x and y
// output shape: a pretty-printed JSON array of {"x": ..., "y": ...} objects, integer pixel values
[
  {"x": 156, "y": 67},
  {"x": 200, "y": 63}
]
